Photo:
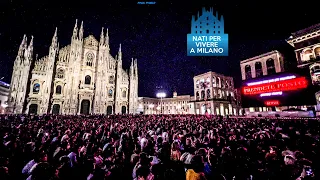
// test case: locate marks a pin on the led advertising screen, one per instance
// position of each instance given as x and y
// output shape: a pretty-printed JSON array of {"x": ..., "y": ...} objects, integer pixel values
[{"x": 282, "y": 89}]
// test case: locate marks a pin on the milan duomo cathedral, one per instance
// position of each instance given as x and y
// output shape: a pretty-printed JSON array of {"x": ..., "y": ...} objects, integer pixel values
[{"x": 80, "y": 78}]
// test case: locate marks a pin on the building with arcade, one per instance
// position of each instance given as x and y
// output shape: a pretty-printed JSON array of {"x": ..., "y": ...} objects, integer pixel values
[
  {"x": 268, "y": 86},
  {"x": 215, "y": 94}
]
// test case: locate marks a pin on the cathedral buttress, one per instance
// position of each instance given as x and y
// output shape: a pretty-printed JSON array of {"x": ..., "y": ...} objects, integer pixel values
[
  {"x": 48, "y": 82},
  {"x": 20, "y": 77}
]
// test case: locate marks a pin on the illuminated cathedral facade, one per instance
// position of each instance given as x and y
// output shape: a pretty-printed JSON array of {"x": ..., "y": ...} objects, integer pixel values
[{"x": 80, "y": 78}]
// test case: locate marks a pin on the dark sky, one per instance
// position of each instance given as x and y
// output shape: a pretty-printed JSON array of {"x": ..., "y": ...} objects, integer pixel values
[{"x": 155, "y": 34}]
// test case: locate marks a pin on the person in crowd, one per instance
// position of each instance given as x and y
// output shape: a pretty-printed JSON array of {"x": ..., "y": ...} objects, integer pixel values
[{"x": 158, "y": 147}]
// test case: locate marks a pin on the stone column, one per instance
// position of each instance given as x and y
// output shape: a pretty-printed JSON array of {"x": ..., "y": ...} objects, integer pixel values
[
  {"x": 264, "y": 68},
  {"x": 253, "y": 70},
  {"x": 243, "y": 72}
]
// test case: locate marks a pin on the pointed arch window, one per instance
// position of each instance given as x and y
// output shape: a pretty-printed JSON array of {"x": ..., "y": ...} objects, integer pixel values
[
  {"x": 58, "y": 89},
  {"x": 89, "y": 60},
  {"x": 110, "y": 93},
  {"x": 124, "y": 93},
  {"x": 60, "y": 74},
  {"x": 36, "y": 88},
  {"x": 111, "y": 79},
  {"x": 87, "y": 79}
]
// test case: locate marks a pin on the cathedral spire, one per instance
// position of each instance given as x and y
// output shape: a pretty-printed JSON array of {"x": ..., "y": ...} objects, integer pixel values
[
  {"x": 30, "y": 47},
  {"x": 24, "y": 40},
  {"x": 25, "y": 46},
  {"x": 120, "y": 53},
  {"x": 102, "y": 37},
  {"x": 21, "y": 48},
  {"x": 131, "y": 62},
  {"x": 75, "y": 30},
  {"x": 81, "y": 31},
  {"x": 131, "y": 68},
  {"x": 136, "y": 67},
  {"x": 54, "y": 42},
  {"x": 31, "y": 43},
  {"x": 107, "y": 37}
]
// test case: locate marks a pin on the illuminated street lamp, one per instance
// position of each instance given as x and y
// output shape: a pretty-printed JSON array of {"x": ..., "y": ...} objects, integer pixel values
[{"x": 161, "y": 95}]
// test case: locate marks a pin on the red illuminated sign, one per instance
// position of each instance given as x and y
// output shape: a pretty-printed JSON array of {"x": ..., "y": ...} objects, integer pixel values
[
  {"x": 285, "y": 85},
  {"x": 272, "y": 103}
]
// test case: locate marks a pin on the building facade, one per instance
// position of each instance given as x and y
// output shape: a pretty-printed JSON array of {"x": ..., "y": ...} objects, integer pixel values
[
  {"x": 80, "y": 78},
  {"x": 172, "y": 105},
  {"x": 306, "y": 43},
  {"x": 215, "y": 94},
  {"x": 4, "y": 93},
  {"x": 262, "y": 65}
]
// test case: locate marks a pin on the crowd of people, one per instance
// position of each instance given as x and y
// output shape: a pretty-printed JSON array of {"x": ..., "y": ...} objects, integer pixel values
[{"x": 158, "y": 147}]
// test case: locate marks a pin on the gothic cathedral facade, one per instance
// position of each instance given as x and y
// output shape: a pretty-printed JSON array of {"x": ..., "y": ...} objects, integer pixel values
[{"x": 80, "y": 78}]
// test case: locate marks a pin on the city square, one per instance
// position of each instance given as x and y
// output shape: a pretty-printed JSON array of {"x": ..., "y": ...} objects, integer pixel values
[{"x": 156, "y": 91}]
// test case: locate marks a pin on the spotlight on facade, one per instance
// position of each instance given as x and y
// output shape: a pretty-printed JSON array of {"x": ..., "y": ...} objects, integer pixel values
[{"x": 161, "y": 95}]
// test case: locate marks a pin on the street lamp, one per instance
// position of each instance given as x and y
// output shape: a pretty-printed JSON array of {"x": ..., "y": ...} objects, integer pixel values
[{"x": 161, "y": 95}]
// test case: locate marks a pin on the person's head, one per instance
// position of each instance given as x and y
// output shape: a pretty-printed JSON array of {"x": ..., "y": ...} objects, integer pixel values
[
  {"x": 4, "y": 171},
  {"x": 41, "y": 157},
  {"x": 43, "y": 171},
  {"x": 212, "y": 158},
  {"x": 175, "y": 146},
  {"x": 143, "y": 172},
  {"x": 289, "y": 159},
  {"x": 197, "y": 163},
  {"x": 144, "y": 159}
]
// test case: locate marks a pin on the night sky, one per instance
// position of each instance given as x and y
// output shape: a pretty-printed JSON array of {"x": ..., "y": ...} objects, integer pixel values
[{"x": 155, "y": 34}]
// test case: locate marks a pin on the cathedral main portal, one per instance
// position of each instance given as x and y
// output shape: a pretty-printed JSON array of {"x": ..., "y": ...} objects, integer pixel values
[{"x": 85, "y": 107}]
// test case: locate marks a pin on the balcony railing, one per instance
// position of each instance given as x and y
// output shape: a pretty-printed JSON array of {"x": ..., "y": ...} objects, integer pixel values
[{"x": 227, "y": 99}]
